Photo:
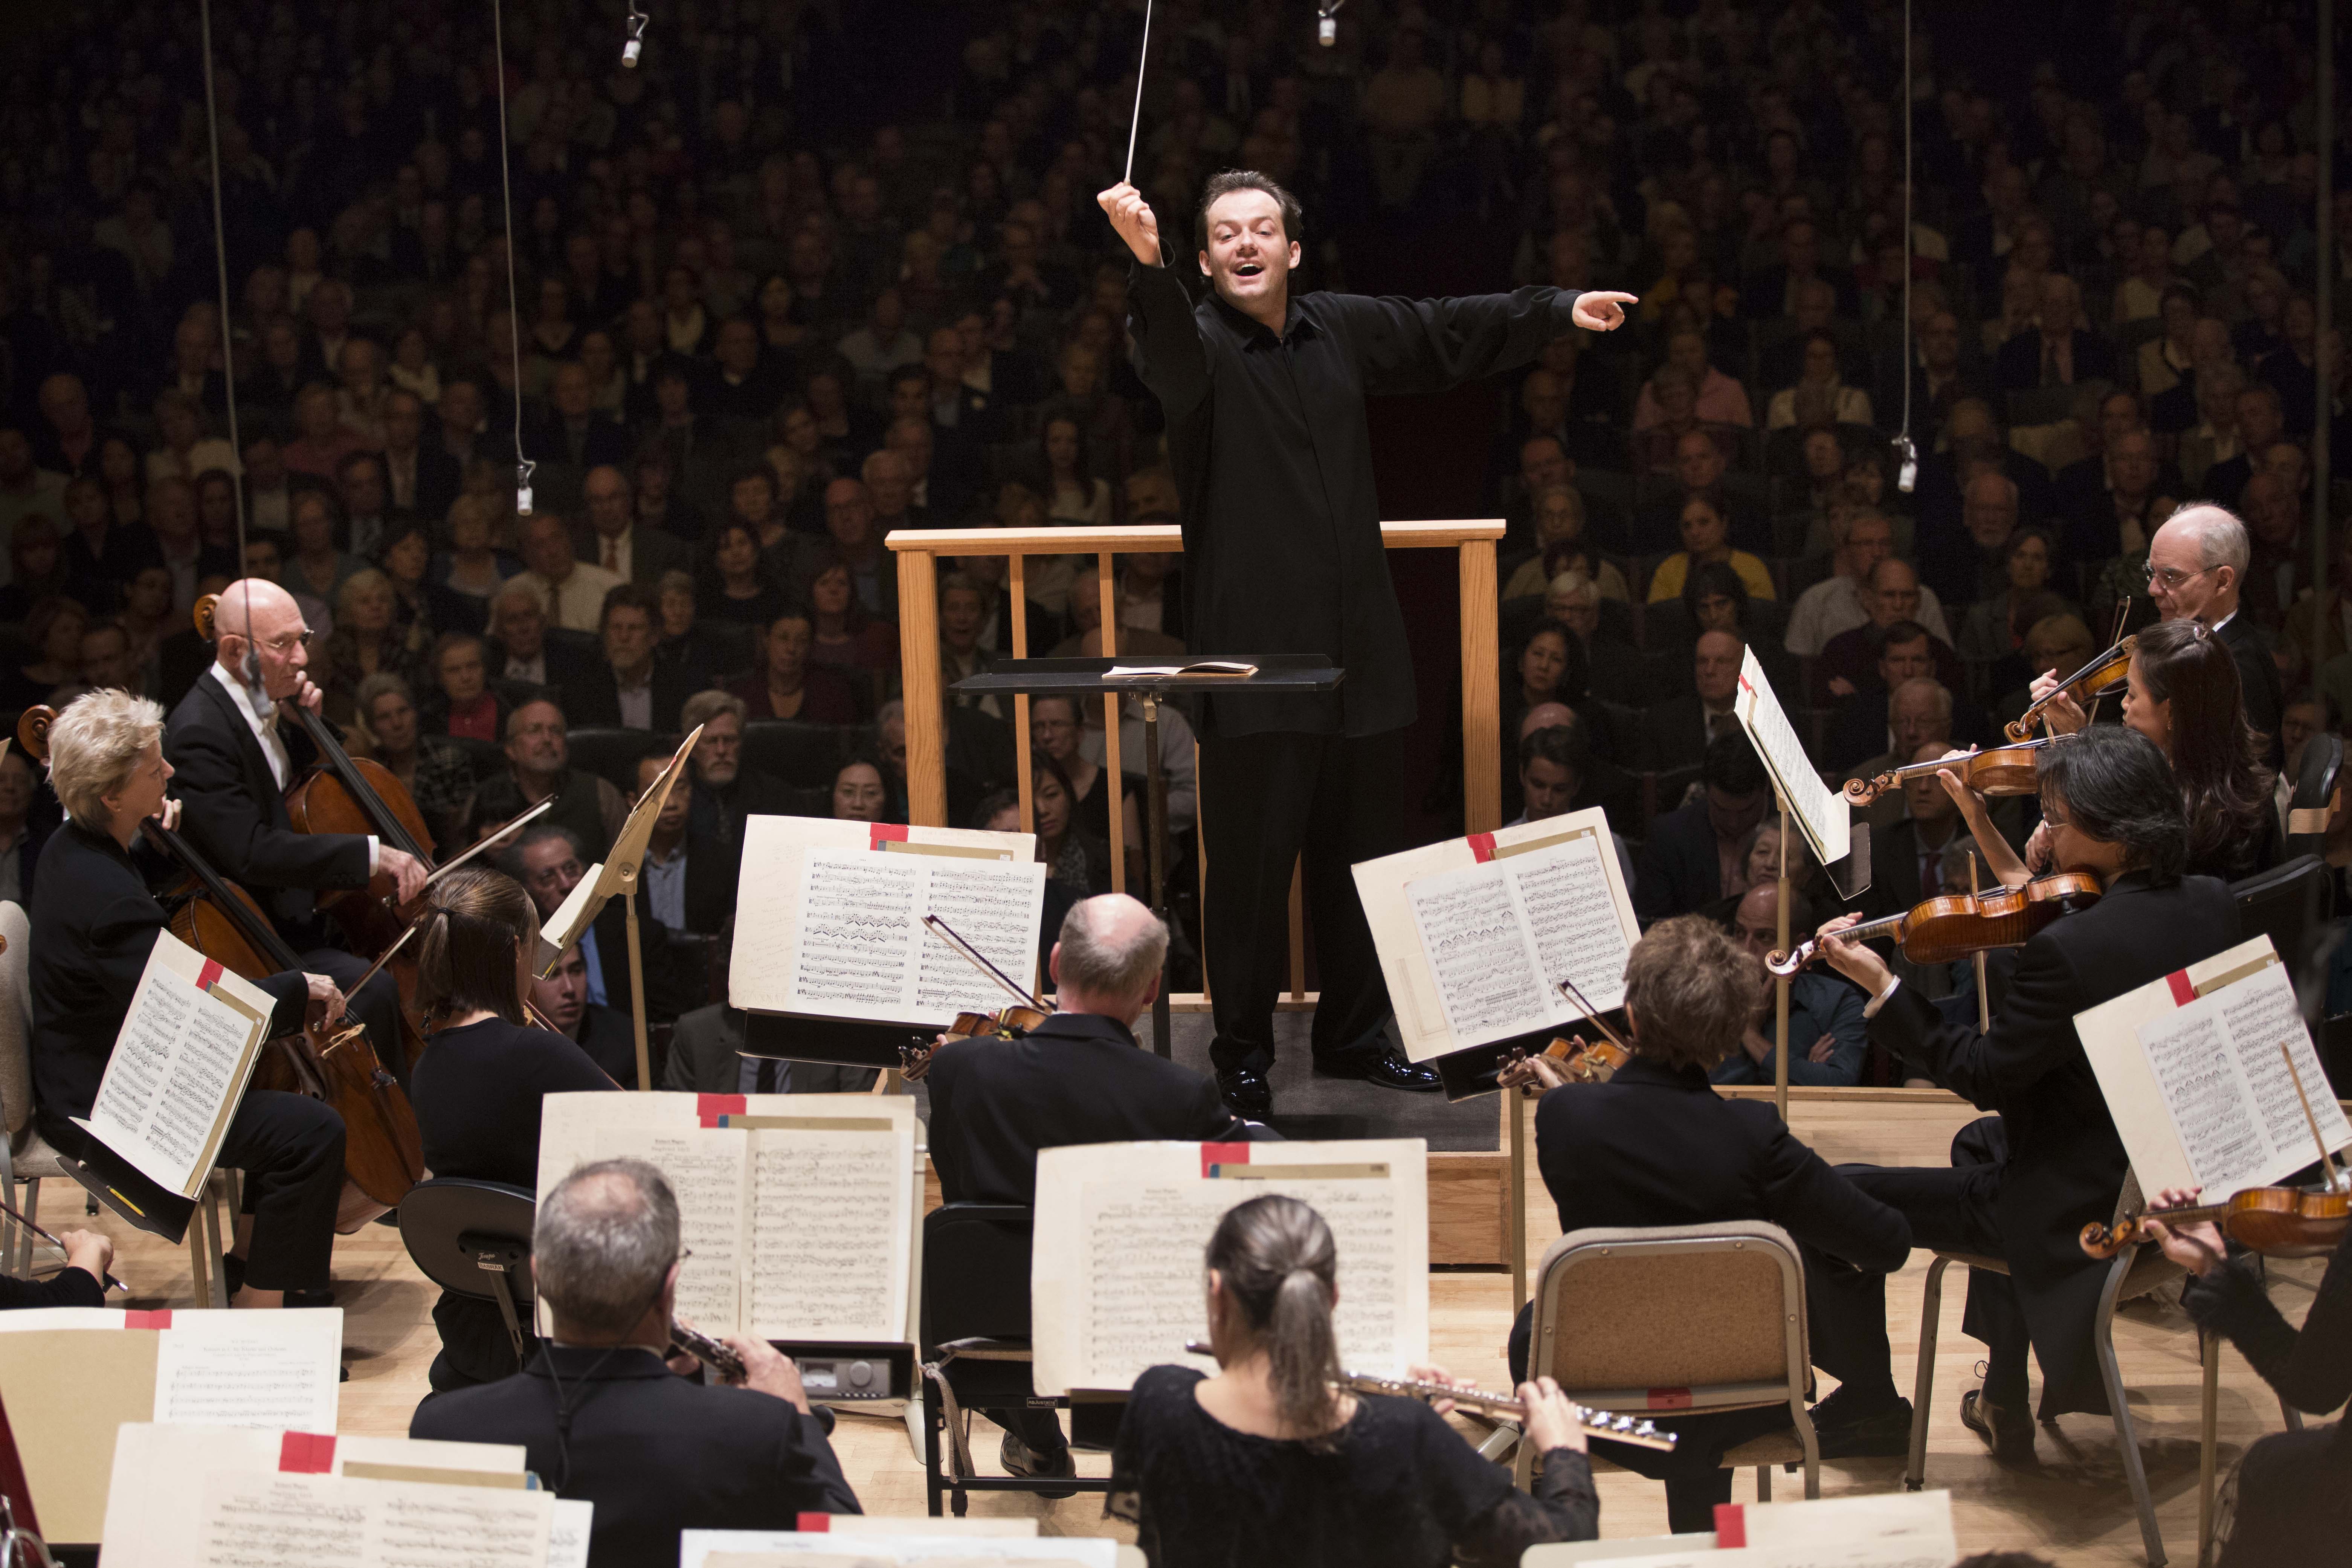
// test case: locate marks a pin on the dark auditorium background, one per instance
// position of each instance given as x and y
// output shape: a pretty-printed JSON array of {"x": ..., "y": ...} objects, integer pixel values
[{"x": 852, "y": 248}]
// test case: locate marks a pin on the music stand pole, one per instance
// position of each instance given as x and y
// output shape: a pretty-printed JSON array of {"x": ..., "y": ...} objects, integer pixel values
[
  {"x": 1155, "y": 803},
  {"x": 1781, "y": 985},
  {"x": 637, "y": 979}
]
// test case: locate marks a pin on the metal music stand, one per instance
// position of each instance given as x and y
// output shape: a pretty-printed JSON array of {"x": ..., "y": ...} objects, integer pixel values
[{"x": 1287, "y": 674}]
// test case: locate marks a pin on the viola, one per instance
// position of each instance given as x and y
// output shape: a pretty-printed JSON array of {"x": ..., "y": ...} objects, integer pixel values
[
  {"x": 2103, "y": 677},
  {"x": 2277, "y": 1222},
  {"x": 2003, "y": 770},
  {"x": 383, "y": 1155},
  {"x": 1961, "y": 925},
  {"x": 1006, "y": 1023},
  {"x": 345, "y": 795}
]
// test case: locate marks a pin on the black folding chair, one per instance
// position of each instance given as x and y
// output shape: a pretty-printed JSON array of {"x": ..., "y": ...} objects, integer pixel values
[
  {"x": 975, "y": 1342},
  {"x": 474, "y": 1239}
]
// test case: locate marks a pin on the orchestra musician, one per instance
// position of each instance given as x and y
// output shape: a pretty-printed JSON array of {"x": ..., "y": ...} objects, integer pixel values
[
  {"x": 81, "y": 1283},
  {"x": 2026, "y": 1180},
  {"x": 2183, "y": 692},
  {"x": 235, "y": 759},
  {"x": 1266, "y": 1463},
  {"x": 600, "y": 1415},
  {"x": 94, "y": 923},
  {"x": 1264, "y": 392},
  {"x": 1655, "y": 1145},
  {"x": 477, "y": 1088},
  {"x": 1078, "y": 1078},
  {"x": 2196, "y": 571}
]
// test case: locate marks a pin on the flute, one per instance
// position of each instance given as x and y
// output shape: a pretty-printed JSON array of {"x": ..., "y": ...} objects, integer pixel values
[{"x": 1632, "y": 1429}]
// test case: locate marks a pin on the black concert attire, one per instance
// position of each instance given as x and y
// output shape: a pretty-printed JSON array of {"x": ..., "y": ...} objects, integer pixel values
[
  {"x": 1400, "y": 1488},
  {"x": 476, "y": 1095},
  {"x": 67, "y": 1288},
  {"x": 233, "y": 813},
  {"x": 1273, "y": 462},
  {"x": 2295, "y": 1489},
  {"x": 2260, "y": 691},
  {"x": 93, "y": 926},
  {"x": 2025, "y": 1182},
  {"x": 655, "y": 1453},
  {"x": 1078, "y": 1078},
  {"x": 1655, "y": 1145}
]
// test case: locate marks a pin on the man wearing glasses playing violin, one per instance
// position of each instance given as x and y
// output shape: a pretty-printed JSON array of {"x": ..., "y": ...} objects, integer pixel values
[
  {"x": 2025, "y": 1180},
  {"x": 2196, "y": 567},
  {"x": 233, "y": 759}
]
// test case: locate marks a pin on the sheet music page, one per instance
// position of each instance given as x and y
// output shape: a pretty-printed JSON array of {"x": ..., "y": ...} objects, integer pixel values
[
  {"x": 2205, "y": 1098},
  {"x": 179, "y": 1065},
  {"x": 1565, "y": 890},
  {"x": 928, "y": 1540},
  {"x": 567, "y": 1533},
  {"x": 1820, "y": 810},
  {"x": 278, "y": 1370},
  {"x": 1490, "y": 979},
  {"x": 710, "y": 1169},
  {"x": 1121, "y": 1230},
  {"x": 334, "y": 1521},
  {"x": 996, "y": 906},
  {"x": 858, "y": 910},
  {"x": 828, "y": 1216},
  {"x": 2260, "y": 1014}
]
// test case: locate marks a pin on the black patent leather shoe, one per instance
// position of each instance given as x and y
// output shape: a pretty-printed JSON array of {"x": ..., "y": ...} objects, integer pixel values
[
  {"x": 2008, "y": 1433},
  {"x": 1245, "y": 1093},
  {"x": 1384, "y": 1067}
]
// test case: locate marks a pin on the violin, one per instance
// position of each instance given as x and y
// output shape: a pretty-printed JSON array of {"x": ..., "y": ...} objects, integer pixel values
[
  {"x": 2103, "y": 677},
  {"x": 383, "y": 1155},
  {"x": 1005, "y": 1023},
  {"x": 1961, "y": 925},
  {"x": 2003, "y": 770},
  {"x": 345, "y": 795},
  {"x": 2278, "y": 1222},
  {"x": 1584, "y": 1063}
]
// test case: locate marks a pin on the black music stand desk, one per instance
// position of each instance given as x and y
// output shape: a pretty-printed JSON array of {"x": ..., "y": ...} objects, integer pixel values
[{"x": 1287, "y": 673}]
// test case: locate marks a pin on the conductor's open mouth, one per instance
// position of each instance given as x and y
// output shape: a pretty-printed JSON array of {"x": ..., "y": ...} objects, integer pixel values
[{"x": 1247, "y": 269}]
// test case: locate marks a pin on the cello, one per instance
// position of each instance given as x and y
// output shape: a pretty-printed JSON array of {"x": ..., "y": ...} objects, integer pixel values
[
  {"x": 383, "y": 1155},
  {"x": 346, "y": 794}
]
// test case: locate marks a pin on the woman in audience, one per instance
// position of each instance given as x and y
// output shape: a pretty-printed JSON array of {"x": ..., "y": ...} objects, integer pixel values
[
  {"x": 406, "y": 562},
  {"x": 1074, "y": 857},
  {"x": 1994, "y": 630},
  {"x": 1265, "y": 1461},
  {"x": 368, "y": 639},
  {"x": 1057, "y": 733},
  {"x": 465, "y": 577},
  {"x": 1705, "y": 532},
  {"x": 2182, "y": 693},
  {"x": 1550, "y": 667},
  {"x": 476, "y": 1089},
  {"x": 2163, "y": 360},
  {"x": 858, "y": 793},
  {"x": 1820, "y": 395},
  {"x": 787, "y": 686},
  {"x": 847, "y": 638},
  {"x": 316, "y": 566},
  {"x": 735, "y": 587},
  {"x": 1561, "y": 546},
  {"x": 437, "y": 773},
  {"x": 119, "y": 470},
  {"x": 37, "y": 561},
  {"x": 463, "y": 704},
  {"x": 1076, "y": 496},
  {"x": 1718, "y": 399},
  {"x": 53, "y": 630},
  {"x": 781, "y": 337},
  {"x": 146, "y": 620},
  {"x": 100, "y": 550}
]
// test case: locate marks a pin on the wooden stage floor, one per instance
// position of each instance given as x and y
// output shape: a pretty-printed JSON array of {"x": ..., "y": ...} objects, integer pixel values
[{"x": 2071, "y": 1506}]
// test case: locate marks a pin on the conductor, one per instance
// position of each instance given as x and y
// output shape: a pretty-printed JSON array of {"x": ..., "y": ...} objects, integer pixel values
[{"x": 1264, "y": 393}]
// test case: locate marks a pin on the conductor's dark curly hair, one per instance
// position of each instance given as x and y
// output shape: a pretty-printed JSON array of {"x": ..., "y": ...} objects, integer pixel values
[{"x": 1233, "y": 180}]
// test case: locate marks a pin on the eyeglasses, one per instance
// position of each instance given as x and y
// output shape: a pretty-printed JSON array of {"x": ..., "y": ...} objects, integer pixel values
[
  {"x": 2171, "y": 579},
  {"x": 282, "y": 646}
]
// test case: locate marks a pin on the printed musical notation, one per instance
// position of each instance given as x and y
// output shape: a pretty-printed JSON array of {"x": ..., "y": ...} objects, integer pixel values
[
  {"x": 824, "y": 1204},
  {"x": 862, "y": 951},
  {"x": 2231, "y": 1101},
  {"x": 704, "y": 1168},
  {"x": 336, "y": 1521},
  {"x": 210, "y": 1372},
  {"x": 179, "y": 1063},
  {"x": 1500, "y": 936},
  {"x": 855, "y": 912}
]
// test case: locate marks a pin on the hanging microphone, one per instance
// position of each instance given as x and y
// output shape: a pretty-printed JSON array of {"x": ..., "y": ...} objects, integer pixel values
[
  {"x": 1326, "y": 22},
  {"x": 637, "y": 42},
  {"x": 522, "y": 486},
  {"x": 1907, "y": 475}
]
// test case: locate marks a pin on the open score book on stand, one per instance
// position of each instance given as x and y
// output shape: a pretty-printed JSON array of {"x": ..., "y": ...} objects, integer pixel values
[
  {"x": 798, "y": 1208},
  {"x": 1475, "y": 934},
  {"x": 829, "y": 919}
]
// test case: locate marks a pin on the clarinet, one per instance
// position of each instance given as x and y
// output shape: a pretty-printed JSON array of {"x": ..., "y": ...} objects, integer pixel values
[
  {"x": 713, "y": 1353},
  {"x": 1639, "y": 1432}
]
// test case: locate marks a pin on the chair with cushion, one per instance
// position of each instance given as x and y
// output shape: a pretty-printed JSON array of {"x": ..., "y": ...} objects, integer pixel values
[
  {"x": 975, "y": 1342},
  {"x": 1681, "y": 1319},
  {"x": 2294, "y": 904},
  {"x": 801, "y": 754},
  {"x": 614, "y": 753},
  {"x": 474, "y": 1239}
]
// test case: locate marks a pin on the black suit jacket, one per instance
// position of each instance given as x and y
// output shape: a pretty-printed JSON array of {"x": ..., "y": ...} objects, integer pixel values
[
  {"x": 2019, "y": 365},
  {"x": 655, "y": 1453},
  {"x": 572, "y": 657},
  {"x": 93, "y": 925},
  {"x": 2065, "y": 1164},
  {"x": 232, "y": 811},
  {"x": 1659, "y": 1146},
  {"x": 706, "y": 1057},
  {"x": 2258, "y": 682},
  {"x": 1678, "y": 871},
  {"x": 610, "y": 1038},
  {"x": 593, "y": 700},
  {"x": 1078, "y": 1078},
  {"x": 1673, "y": 733},
  {"x": 651, "y": 551}
]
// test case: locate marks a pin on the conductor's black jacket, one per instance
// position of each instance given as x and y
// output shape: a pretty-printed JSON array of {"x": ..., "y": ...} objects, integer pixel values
[{"x": 1273, "y": 466}]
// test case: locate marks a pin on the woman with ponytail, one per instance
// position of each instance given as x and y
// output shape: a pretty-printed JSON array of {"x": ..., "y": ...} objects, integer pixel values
[
  {"x": 1268, "y": 1462},
  {"x": 477, "y": 1089}
]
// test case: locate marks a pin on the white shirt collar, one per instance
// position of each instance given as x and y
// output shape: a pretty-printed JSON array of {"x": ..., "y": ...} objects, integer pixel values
[{"x": 273, "y": 746}]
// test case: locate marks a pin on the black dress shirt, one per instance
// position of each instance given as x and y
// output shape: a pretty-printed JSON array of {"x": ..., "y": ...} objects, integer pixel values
[{"x": 1274, "y": 467}]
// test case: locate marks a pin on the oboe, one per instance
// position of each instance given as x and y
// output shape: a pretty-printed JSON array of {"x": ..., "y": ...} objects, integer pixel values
[
  {"x": 716, "y": 1354},
  {"x": 1619, "y": 1428}
]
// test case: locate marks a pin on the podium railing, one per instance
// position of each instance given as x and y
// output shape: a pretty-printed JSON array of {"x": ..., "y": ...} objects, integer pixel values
[{"x": 918, "y": 551}]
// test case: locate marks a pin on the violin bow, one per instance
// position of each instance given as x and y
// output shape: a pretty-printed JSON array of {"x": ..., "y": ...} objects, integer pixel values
[
  {"x": 111, "y": 1282},
  {"x": 1591, "y": 1015},
  {"x": 977, "y": 959},
  {"x": 2115, "y": 636},
  {"x": 2326, "y": 1161}
]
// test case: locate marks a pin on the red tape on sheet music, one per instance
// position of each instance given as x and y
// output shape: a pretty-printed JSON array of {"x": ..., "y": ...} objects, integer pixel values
[
  {"x": 208, "y": 974},
  {"x": 1482, "y": 844},
  {"x": 306, "y": 1454},
  {"x": 709, "y": 1108},
  {"x": 2183, "y": 993},
  {"x": 1730, "y": 1525},
  {"x": 1670, "y": 1399},
  {"x": 885, "y": 833},
  {"x": 1215, "y": 1154},
  {"x": 814, "y": 1524},
  {"x": 161, "y": 1318}
]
